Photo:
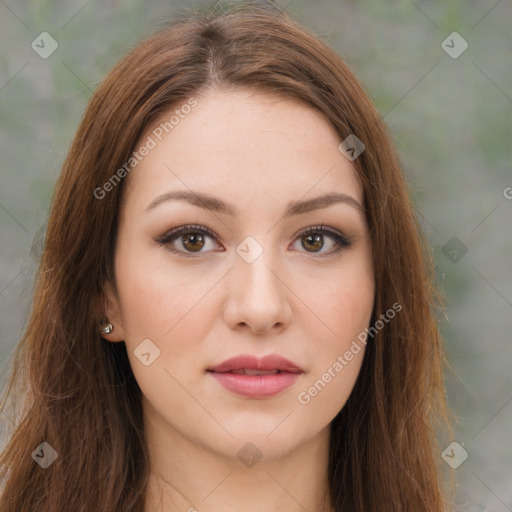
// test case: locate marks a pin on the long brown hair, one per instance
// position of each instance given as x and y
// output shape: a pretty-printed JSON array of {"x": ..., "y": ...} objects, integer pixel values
[{"x": 77, "y": 392}]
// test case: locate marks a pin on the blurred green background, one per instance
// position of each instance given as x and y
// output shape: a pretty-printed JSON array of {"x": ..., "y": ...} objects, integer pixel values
[{"x": 451, "y": 118}]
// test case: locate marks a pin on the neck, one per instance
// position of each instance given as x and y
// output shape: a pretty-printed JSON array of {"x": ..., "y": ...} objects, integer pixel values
[{"x": 188, "y": 476}]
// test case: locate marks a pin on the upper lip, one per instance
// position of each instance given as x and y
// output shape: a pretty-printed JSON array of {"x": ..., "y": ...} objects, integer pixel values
[{"x": 250, "y": 362}]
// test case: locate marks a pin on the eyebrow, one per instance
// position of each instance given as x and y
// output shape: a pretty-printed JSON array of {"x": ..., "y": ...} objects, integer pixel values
[{"x": 292, "y": 208}]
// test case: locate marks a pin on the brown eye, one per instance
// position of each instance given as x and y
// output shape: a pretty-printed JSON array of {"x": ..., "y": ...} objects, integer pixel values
[
  {"x": 187, "y": 240},
  {"x": 193, "y": 241},
  {"x": 313, "y": 240},
  {"x": 313, "y": 243}
]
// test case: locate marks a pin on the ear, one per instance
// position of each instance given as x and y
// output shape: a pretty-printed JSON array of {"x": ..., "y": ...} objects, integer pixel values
[{"x": 111, "y": 311}]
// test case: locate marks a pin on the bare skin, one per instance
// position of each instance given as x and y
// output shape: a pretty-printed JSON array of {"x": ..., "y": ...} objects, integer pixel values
[{"x": 300, "y": 298}]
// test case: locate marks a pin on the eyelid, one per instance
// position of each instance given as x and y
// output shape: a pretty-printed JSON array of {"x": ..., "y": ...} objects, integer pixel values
[
  {"x": 187, "y": 227},
  {"x": 323, "y": 229}
]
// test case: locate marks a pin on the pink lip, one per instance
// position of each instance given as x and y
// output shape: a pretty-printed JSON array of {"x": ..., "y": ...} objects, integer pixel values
[{"x": 256, "y": 386}]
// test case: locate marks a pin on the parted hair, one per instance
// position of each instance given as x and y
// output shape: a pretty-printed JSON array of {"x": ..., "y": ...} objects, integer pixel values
[{"x": 73, "y": 390}]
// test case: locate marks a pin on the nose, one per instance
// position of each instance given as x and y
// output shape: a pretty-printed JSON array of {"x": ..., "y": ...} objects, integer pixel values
[{"x": 258, "y": 297}]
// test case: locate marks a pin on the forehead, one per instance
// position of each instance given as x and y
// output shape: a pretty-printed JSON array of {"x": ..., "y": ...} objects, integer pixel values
[{"x": 244, "y": 144}]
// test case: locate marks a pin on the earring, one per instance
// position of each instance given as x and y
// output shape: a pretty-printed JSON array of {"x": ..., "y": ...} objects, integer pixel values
[{"x": 108, "y": 327}]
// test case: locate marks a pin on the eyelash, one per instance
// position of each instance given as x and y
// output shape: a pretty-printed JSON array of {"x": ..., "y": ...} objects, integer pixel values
[{"x": 165, "y": 239}]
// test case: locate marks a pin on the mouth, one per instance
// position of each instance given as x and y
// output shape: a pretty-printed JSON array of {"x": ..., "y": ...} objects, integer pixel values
[
  {"x": 271, "y": 363},
  {"x": 251, "y": 377},
  {"x": 250, "y": 371}
]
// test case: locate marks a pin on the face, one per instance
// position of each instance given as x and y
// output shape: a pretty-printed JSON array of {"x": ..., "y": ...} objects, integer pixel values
[{"x": 224, "y": 251}]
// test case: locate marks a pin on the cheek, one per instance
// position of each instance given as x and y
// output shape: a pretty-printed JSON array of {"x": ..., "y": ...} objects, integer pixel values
[
  {"x": 154, "y": 296},
  {"x": 172, "y": 308},
  {"x": 344, "y": 302},
  {"x": 343, "y": 308},
  {"x": 337, "y": 361},
  {"x": 163, "y": 307}
]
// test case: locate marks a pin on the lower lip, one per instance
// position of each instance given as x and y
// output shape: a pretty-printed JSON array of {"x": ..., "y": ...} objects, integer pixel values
[{"x": 256, "y": 386}]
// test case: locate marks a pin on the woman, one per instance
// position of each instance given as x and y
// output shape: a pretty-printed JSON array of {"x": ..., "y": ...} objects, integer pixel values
[{"x": 234, "y": 307}]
